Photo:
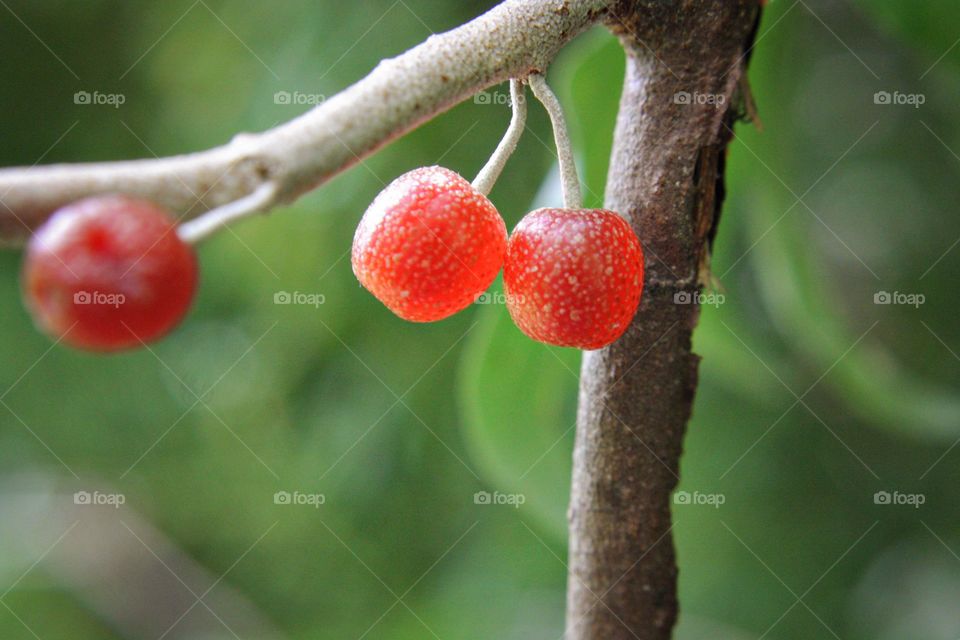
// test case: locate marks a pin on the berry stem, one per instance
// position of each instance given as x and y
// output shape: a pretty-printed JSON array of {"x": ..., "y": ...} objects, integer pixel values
[
  {"x": 491, "y": 171},
  {"x": 568, "y": 169},
  {"x": 213, "y": 220}
]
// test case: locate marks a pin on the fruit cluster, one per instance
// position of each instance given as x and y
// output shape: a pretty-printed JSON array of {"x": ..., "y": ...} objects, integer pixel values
[
  {"x": 431, "y": 244},
  {"x": 113, "y": 272},
  {"x": 110, "y": 272}
]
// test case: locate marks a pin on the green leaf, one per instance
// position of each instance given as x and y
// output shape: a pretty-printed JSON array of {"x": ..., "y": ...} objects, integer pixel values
[
  {"x": 518, "y": 397},
  {"x": 518, "y": 405}
]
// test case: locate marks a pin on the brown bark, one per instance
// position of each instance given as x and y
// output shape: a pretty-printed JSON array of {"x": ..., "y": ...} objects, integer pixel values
[{"x": 666, "y": 177}]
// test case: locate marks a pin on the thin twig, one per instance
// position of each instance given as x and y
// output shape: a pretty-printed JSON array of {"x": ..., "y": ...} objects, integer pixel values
[
  {"x": 300, "y": 155},
  {"x": 200, "y": 228},
  {"x": 491, "y": 171},
  {"x": 568, "y": 168}
]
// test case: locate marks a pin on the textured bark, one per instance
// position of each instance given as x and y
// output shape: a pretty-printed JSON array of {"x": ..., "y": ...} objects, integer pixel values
[{"x": 666, "y": 177}]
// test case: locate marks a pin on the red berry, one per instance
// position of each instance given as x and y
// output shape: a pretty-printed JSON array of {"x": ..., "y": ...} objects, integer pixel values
[
  {"x": 429, "y": 245},
  {"x": 108, "y": 272},
  {"x": 573, "y": 277}
]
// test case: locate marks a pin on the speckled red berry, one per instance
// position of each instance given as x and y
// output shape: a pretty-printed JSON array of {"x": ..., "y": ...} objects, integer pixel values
[
  {"x": 429, "y": 245},
  {"x": 108, "y": 273},
  {"x": 573, "y": 277}
]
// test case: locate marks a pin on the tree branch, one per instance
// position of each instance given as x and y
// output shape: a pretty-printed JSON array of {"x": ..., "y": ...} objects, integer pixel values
[
  {"x": 679, "y": 100},
  {"x": 514, "y": 39},
  {"x": 665, "y": 177}
]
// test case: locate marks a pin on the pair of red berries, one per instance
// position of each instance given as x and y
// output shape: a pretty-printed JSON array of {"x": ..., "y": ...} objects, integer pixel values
[{"x": 431, "y": 244}]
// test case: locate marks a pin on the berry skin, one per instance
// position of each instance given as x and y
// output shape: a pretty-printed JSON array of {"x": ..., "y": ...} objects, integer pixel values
[
  {"x": 108, "y": 272},
  {"x": 429, "y": 245},
  {"x": 573, "y": 277}
]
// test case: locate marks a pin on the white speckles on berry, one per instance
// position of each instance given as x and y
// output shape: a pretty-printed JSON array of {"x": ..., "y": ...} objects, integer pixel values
[
  {"x": 429, "y": 245},
  {"x": 573, "y": 277}
]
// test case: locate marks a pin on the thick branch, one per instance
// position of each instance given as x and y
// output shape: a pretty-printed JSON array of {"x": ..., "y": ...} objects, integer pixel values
[
  {"x": 683, "y": 65},
  {"x": 513, "y": 39}
]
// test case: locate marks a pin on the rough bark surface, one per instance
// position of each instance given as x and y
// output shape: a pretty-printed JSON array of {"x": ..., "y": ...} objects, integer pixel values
[{"x": 636, "y": 395}]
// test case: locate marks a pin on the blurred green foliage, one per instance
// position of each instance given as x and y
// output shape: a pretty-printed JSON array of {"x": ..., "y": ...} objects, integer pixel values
[{"x": 399, "y": 425}]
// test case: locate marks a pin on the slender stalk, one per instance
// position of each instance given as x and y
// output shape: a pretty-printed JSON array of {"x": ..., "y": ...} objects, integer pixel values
[
  {"x": 561, "y": 135},
  {"x": 200, "y": 228},
  {"x": 491, "y": 171}
]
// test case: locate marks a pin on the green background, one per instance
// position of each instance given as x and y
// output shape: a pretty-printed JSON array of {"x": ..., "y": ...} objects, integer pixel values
[{"x": 813, "y": 398}]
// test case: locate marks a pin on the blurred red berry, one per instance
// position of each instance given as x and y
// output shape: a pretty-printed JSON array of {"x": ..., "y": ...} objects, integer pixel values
[
  {"x": 108, "y": 272},
  {"x": 429, "y": 245},
  {"x": 573, "y": 277}
]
